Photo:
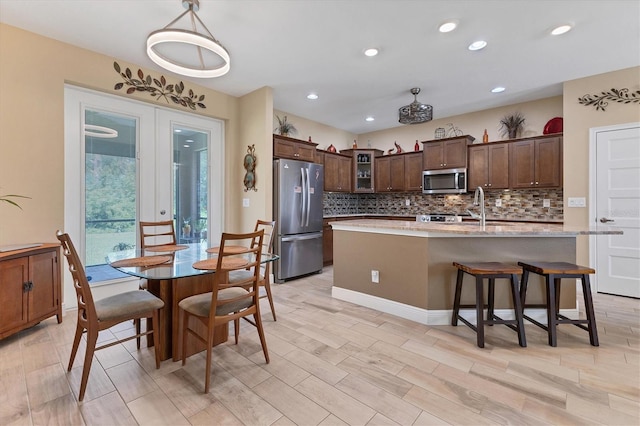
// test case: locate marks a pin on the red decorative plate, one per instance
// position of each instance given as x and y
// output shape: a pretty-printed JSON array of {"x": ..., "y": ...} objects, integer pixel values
[{"x": 553, "y": 126}]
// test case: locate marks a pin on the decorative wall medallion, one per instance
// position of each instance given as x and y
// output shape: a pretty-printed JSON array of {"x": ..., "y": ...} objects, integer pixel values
[
  {"x": 158, "y": 88},
  {"x": 250, "y": 167},
  {"x": 616, "y": 95}
]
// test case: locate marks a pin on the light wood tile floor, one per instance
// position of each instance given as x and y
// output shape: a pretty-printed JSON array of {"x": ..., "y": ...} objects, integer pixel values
[{"x": 335, "y": 363}]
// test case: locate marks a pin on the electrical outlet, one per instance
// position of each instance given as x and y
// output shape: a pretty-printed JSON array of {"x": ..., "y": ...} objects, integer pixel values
[
  {"x": 546, "y": 202},
  {"x": 375, "y": 276},
  {"x": 577, "y": 202},
  {"x": 245, "y": 202},
  {"x": 407, "y": 202},
  {"x": 498, "y": 202}
]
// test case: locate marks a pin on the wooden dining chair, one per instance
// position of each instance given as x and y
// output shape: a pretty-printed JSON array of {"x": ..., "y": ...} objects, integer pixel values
[
  {"x": 265, "y": 271},
  {"x": 154, "y": 234},
  {"x": 226, "y": 302},
  {"x": 96, "y": 316}
]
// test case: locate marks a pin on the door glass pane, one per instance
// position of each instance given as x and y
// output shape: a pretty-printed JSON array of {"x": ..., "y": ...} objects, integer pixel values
[
  {"x": 191, "y": 183},
  {"x": 110, "y": 189}
]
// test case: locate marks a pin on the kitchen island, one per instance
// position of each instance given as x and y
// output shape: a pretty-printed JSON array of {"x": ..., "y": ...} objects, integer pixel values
[{"x": 414, "y": 263}]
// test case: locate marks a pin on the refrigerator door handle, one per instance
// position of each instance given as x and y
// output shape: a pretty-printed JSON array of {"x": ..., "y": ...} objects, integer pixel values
[
  {"x": 308, "y": 196},
  {"x": 304, "y": 197},
  {"x": 303, "y": 237}
]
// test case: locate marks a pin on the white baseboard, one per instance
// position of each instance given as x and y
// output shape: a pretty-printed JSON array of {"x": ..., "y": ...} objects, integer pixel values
[{"x": 432, "y": 317}]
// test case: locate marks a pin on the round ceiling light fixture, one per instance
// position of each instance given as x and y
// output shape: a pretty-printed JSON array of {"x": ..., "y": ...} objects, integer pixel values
[
  {"x": 477, "y": 45},
  {"x": 372, "y": 51},
  {"x": 204, "y": 43},
  {"x": 100, "y": 131},
  {"x": 562, "y": 29},
  {"x": 448, "y": 26}
]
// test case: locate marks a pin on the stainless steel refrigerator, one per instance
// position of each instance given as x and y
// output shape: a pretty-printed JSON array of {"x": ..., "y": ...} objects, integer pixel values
[{"x": 297, "y": 210}]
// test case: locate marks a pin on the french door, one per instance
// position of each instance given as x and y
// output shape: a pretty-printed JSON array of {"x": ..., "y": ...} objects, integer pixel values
[{"x": 127, "y": 161}]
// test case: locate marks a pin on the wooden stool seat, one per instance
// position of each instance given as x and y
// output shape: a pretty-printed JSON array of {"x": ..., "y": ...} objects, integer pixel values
[
  {"x": 490, "y": 271},
  {"x": 553, "y": 273},
  {"x": 488, "y": 268}
]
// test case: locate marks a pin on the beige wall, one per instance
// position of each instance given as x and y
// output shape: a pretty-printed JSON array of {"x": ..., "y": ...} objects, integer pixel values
[
  {"x": 536, "y": 114},
  {"x": 33, "y": 71},
  {"x": 321, "y": 134},
  {"x": 578, "y": 119}
]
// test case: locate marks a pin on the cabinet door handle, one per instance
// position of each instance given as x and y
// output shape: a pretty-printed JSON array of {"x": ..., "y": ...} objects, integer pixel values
[
  {"x": 25, "y": 286},
  {"x": 537, "y": 183}
]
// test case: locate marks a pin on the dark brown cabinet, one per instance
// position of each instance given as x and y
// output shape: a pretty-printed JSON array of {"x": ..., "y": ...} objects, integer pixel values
[
  {"x": 295, "y": 149},
  {"x": 389, "y": 173},
  {"x": 413, "y": 171},
  {"x": 488, "y": 166},
  {"x": 399, "y": 172},
  {"x": 337, "y": 172},
  {"x": 536, "y": 163},
  {"x": 30, "y": 287},
  {"x": 449, "y": 153},
  {"x": 364, "y": 169}
]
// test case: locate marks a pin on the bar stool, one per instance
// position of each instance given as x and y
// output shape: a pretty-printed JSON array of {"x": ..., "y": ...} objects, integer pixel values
[
  {"x": 490, "y": 271},
  {"x": 553, "y": 272}
]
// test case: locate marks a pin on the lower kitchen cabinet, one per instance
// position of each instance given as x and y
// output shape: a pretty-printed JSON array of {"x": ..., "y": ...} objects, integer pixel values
[{"x": 30, "y": 287}]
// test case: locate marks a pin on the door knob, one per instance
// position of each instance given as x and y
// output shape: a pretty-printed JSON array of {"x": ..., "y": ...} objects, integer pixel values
[
  {"x": 163, "y": 212},
  {"x": 605, "y": 220}
]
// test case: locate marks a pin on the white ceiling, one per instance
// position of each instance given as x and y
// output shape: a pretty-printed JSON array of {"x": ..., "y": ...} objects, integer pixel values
[{"x": 298, "y": 46}]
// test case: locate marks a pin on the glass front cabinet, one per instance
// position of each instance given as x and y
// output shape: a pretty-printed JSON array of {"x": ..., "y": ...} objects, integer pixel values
[{"x": 363, "y": 168}]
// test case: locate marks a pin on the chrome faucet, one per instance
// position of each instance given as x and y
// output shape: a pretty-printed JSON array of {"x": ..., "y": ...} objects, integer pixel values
[{"x": 479, "y": 202}]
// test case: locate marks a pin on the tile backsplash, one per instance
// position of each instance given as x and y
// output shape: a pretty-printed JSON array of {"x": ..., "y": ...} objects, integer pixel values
[{"x": 516, "y": 204}]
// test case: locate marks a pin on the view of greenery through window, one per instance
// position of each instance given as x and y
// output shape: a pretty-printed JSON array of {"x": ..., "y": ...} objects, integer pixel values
[{"x": 110, "y": 197}]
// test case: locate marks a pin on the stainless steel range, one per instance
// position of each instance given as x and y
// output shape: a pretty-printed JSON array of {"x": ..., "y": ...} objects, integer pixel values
[{"x": 447, "y": 218}]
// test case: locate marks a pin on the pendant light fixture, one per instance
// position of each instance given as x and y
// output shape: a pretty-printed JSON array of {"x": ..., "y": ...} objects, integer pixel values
[
  {"x": 415, "y": 112},
  {"x": 188, "y": 52}
]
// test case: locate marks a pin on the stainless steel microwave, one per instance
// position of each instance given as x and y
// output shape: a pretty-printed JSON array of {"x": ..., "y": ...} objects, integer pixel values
[{"x": 449, "y": 181}]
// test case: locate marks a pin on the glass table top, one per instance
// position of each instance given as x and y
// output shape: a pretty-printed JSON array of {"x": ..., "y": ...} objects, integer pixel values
[{"x": 179, "y": 265}]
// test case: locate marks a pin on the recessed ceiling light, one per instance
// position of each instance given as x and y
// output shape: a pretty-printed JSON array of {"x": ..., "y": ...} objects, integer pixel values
[
  {"x": 178, "y": 130},
  {"x": 498, "y": 89},
  {"x": 447, "y": 26},
  {"x": 189, "y": 140},
  {"x": 477, "y": 45},
  {"x": 369, "y": 118},
  {"x": 371, "y": 51},
  {"x": 186, "y": 146},
  {"x": 561, "y": 29},
  {"x": 312, "y": 96}
]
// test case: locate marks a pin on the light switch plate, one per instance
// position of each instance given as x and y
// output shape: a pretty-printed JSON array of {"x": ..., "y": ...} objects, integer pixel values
[
  {"x": 546, "y": 202},
  {"x": 245, "y": 202},
  {"x": 407, "y": 202},
  {"x": 577, "y": 202},
  {"x": 498, "y": 202}
]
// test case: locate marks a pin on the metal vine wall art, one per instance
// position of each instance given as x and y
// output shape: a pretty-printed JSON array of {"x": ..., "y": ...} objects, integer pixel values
[
  {"x": 250, "y": 167},
  {"x": 616, "y": 95},
  {"x": 158, "y": 88}
]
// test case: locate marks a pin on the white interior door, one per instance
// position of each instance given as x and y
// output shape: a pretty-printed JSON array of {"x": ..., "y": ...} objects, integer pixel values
[
  {"x": 190, "y": 175},
  {"x": 617, "y": 204}
]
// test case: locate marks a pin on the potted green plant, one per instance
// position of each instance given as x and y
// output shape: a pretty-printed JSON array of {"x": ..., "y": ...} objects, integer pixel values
[
  {"x": 8, "y": 199},
  {"x": 285, "y": 128},
  {"x": 511, "y": 125}
]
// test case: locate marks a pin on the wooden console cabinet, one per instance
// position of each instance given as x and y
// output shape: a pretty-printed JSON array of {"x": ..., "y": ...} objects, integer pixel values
[{"x": 30, "y": 287}]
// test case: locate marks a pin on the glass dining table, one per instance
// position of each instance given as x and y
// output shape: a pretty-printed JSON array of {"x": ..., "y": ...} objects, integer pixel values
[{"x": 171, "y": 276}]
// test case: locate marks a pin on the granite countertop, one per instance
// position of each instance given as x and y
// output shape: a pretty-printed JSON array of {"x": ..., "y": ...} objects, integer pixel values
[
  {"x": 465, "y": 217},
  {"x": 492, "y": 228}
]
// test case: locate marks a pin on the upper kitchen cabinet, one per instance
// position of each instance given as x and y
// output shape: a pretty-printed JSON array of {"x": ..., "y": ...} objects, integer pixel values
[
  {"x": 399, "y": 172},
  {"x": 295, "y": 149},
  {"x": 413, "y": 171},
  {"x": 449, "y": 153},
  {"x": 389, "y": 175},
  {"x": 337, "y": 172},
  {"x": 363, "y": 168},
  {"x": 489, "y": 166},
  {"x": 536, "y": 162}
]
